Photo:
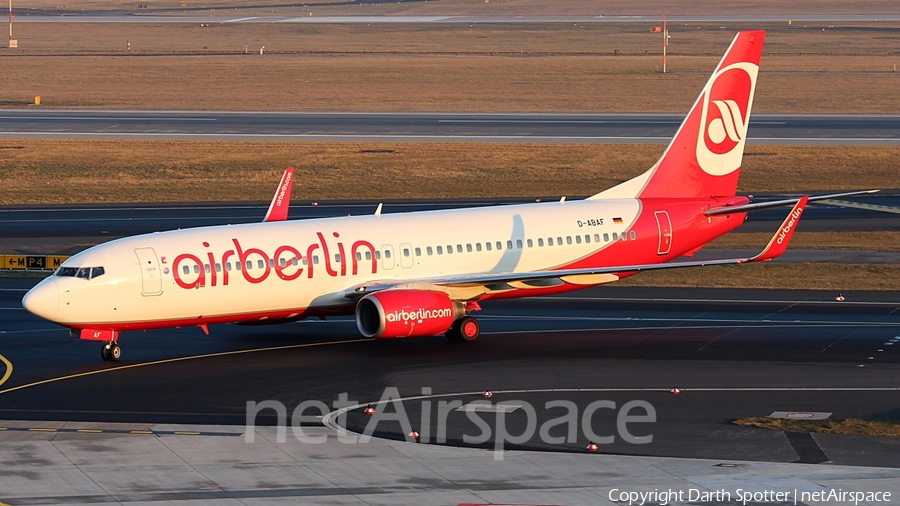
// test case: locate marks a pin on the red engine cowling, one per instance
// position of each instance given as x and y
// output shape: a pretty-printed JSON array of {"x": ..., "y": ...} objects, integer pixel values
[{"x": 406, "y": 313}]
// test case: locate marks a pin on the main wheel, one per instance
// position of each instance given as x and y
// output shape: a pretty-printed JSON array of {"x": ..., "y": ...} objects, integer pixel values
[
  {"x": 104, "y": 352},
  {"x": 469, "y": 329},
  {"x": 465, "y": 329}
]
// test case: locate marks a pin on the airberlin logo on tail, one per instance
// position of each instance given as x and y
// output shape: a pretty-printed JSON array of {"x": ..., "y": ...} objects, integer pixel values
[{"x": 725, "y": 114}]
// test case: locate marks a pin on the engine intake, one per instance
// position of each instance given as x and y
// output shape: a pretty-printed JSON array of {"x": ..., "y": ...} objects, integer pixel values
[{"x": 406, "y": 313}]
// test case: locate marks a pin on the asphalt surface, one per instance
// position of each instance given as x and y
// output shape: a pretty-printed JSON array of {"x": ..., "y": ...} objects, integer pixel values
[
  {"x": 734, "y": 353},
  {"x": 68, "y": 229},
  {"x": 560, "y": 128}
]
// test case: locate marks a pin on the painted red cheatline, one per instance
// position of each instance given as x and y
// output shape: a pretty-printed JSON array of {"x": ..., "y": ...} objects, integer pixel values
[{"x": 426, "y": 273}]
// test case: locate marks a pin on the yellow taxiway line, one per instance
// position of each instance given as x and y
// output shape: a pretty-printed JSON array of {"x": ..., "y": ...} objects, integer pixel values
[
  {"x": 166, "y": 361},
  {"x": 7, "y": 374}
]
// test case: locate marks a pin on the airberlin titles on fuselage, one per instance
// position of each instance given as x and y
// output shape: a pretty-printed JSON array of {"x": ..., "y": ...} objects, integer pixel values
[{"x": 190, "y": 271}]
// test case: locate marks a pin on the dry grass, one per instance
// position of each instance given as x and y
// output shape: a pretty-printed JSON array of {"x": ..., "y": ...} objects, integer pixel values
[
  {"x": 782, "y": 276},
  {"x": 501, "y": 7},
  {"x": 57, "y": 172},
  {"x": 848, "y": 426},
  {"x": 846, "y": 240},
  {"x": 497, "y": 68}
]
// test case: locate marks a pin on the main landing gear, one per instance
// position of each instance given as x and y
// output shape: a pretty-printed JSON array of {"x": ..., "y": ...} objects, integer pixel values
[
  {"x": 111, "y": 352},
  {"x": 465, "y": 329}
]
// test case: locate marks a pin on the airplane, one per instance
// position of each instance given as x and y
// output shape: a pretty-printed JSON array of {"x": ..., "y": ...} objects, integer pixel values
[{"x": 425, "y": 273}]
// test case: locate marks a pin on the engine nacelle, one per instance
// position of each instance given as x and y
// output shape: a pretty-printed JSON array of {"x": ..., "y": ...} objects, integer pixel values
[{"x": 406, "y": 313}]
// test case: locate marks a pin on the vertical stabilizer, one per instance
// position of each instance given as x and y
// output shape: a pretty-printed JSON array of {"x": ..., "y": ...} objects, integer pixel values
[{"x": 704, "y": 158}]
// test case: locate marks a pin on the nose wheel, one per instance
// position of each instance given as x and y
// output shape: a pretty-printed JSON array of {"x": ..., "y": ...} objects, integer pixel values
[
  {"x": 465, "y": 329},
  {"x": 111, "y": 352}
]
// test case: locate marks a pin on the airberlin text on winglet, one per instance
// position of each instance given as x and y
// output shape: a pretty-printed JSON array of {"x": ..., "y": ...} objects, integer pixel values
[{"x": 282, "y": 269}]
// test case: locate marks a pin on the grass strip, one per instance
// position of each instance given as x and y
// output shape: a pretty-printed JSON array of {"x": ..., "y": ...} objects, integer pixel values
[{"x": 846, "y": 426}]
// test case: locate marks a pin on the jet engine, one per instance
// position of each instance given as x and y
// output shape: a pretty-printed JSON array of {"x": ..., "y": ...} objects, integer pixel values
[{"x": 406, "y": 313}]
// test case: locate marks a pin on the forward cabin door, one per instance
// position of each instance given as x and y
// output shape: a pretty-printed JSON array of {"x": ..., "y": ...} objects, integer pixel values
[
  {"x": 150, "y": 275},
  {"x": 665, "y": 232}
]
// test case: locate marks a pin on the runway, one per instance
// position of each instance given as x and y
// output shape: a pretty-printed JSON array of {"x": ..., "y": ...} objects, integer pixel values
[
  {"x": 429, "y": 127},
  {"x": 69, "y": 229},
  {"x": 735, "y": 353}
]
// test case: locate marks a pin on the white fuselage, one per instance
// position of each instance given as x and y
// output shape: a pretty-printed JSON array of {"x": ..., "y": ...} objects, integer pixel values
[{"x": 186, "y": 276}]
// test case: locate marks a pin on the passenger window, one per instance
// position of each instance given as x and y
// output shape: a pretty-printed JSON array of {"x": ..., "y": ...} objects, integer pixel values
[
  {"x": 487, "y": 246},
  {"x": 519, "y": 243},
  {"x": 294, "y": 261},
  {"x": 549, "y": 241},
  {"x": 569, "y": 239},
  {"x": 530, "y": 243},
  {"x": 218, "y": 267},
  {"x": 615, "y": 236},
  {"x": 271, "y": 263},
  {"x": 337, "y": 258},
  {"x": 303, "y": 261},
  {"x": 259, "y": 263},
  {"x": 633, "y": 235},
  {"x": 429, "y": 251},
  {"x": 540, "y": 242},
  {"x": 196, "y": 269},
  {"x": 96, "y": 271},
  {"x": 406, "y": 252},
  {"x": 358, "y": 256},
  {"x": 468, "y": 248},
  {"x": 597, "y": 237},
  {"x": 282, "y": 262},
  {"x": 418, "y": 251},
  {"x": 559, "y": 241},
  {"x": 440, "y": 250},
  {"x": 459, "y": 248},
  {"x": 377, "y": 255},
  {"x": 206, "y": 268},
  {"x": 577, "y": 239},
  {"x": 623, "y": 237},
  {"x": 315, "y": 259},
  {"x": 477, "y": 246},
  {"x": 368, "y": 255},
  {"x": 387, "y": 253},
  {"x": 186, "y": 269},
  {"x": 587, "y": 238},
  {"x": 237, "y": 266},
  {"x": 508, "y": 245},
  {"x": 228, "y": 266},
  {"x": 500, "y": 245}
]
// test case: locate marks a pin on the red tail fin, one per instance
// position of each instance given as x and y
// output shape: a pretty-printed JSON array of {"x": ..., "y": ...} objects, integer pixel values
[{"x": 704, "y": 158}]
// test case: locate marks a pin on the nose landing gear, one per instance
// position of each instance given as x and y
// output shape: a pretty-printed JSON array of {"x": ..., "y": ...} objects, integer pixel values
[{"x": 111, "y": 352}]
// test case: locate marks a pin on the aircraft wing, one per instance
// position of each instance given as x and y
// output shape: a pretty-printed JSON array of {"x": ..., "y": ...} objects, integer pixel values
[
  {"x": 777, "y": 245},
  {"x": 778, "y": 203}
]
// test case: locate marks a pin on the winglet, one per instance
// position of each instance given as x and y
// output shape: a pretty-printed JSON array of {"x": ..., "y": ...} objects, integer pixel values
[
  {"x": 780, "y": 240},
  {"x": 281, "y": 202}
]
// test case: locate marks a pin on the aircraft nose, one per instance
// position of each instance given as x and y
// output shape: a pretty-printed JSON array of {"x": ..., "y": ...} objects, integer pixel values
[{"x": 43, "y": 299}]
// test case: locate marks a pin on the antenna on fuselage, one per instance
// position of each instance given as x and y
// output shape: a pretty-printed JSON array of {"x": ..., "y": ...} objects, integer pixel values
[{"x": 378, "y": 211}]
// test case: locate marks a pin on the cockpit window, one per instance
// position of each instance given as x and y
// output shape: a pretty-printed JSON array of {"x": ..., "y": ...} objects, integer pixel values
[
  {"x": 66, "y": 272},
  {"x": 79, "y": 272}
]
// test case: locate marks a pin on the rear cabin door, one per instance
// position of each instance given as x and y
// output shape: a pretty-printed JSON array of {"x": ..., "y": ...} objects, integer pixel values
[
  {"x": 150, "y": 275},
  {"x": 665, "y": 232}
]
